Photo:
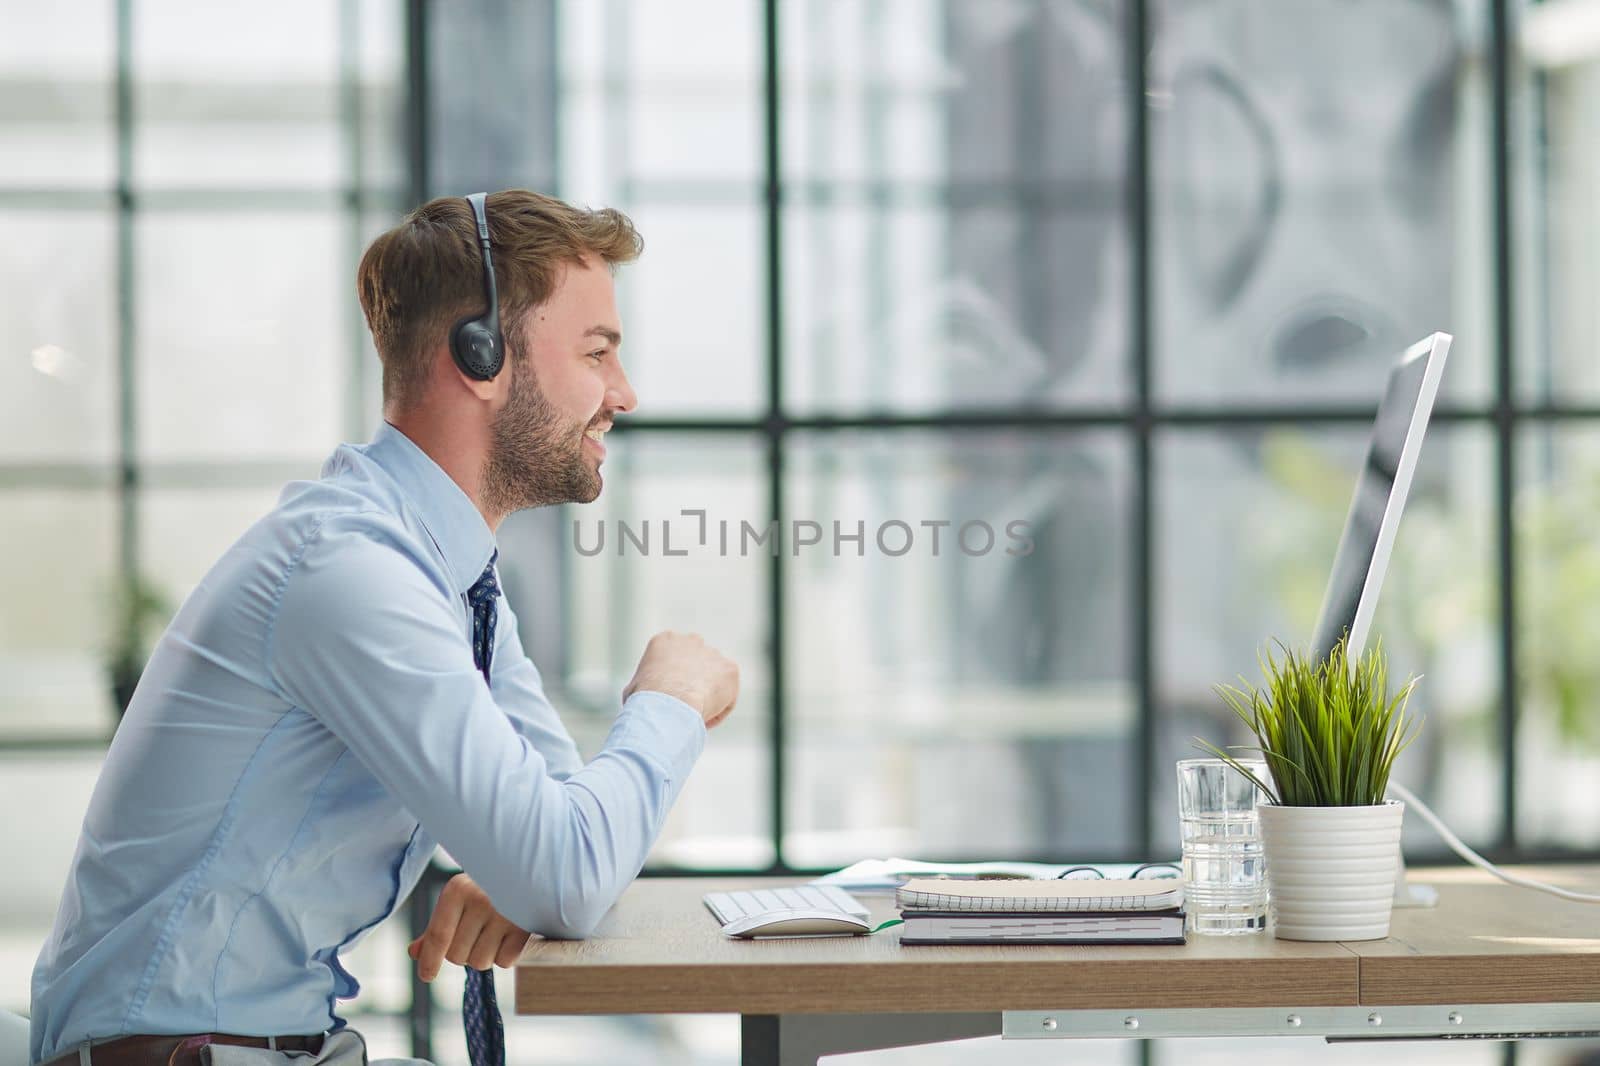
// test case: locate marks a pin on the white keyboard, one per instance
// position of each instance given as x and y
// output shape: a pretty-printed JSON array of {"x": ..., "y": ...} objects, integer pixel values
[{"x": 731, "y": 906}]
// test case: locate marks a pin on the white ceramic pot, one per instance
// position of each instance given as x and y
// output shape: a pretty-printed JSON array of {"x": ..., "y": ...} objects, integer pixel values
[{"x": 1331, "y": 870}]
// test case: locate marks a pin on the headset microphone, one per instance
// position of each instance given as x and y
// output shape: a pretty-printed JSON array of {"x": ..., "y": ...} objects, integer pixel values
[{"x": 475, "y": 342}]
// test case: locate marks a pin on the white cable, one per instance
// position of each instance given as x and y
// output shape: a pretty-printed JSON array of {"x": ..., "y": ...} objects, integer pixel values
[{"x": 1478, "y": 860}]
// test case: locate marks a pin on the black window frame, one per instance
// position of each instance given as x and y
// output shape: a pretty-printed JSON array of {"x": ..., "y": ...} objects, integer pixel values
[{"x": 1142, "y": 419}]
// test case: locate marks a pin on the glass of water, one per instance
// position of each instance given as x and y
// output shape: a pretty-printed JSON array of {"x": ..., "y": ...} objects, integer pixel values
[{"x": 1224, "y": 887}]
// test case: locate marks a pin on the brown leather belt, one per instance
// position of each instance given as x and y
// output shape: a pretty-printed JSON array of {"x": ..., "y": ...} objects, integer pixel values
[{"x": 177, "y": 1050}]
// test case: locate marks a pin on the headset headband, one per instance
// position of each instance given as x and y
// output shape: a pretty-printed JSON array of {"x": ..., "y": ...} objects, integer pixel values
[{"x": 475, "y": 342}]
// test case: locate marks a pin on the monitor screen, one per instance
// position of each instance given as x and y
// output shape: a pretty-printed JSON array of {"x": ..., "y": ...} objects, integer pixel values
[{"x": 1369, "y": 531}]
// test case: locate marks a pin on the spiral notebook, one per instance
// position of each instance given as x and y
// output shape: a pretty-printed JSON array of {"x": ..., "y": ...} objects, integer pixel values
[{"x": 1023, "y": 897}]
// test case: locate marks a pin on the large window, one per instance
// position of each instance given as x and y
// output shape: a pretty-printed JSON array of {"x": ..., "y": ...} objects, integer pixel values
[
  {"x": 929, "y": 263},
  {"x": 184, "y": 191},
  {"x": 1116, "y": 281}
]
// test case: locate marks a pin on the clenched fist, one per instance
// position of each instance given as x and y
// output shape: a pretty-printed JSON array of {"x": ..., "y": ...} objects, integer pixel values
[
  {"x": 466, "y": 929},
  {"x": 683, "y": 665}
]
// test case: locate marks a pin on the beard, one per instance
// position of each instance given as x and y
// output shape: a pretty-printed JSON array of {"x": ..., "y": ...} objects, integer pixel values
[{"x": 535, "y": 456}]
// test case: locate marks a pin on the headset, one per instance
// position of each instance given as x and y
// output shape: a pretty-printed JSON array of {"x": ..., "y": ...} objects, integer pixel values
[{"x": 475, "y": 341}]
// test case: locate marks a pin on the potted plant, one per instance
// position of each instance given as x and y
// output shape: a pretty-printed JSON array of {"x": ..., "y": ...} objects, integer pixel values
[{"x": 1329, "y": 733}]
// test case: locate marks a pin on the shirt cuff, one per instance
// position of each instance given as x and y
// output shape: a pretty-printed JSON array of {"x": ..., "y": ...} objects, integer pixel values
[{"x": 662, "y": 726}]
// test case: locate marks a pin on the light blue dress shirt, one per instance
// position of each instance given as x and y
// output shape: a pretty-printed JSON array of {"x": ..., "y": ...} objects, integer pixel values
[{"x": 307, "y": 730}]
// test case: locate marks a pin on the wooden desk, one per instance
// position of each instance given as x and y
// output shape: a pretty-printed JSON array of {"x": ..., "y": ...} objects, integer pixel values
[
  {"x": 1490, "y": 958},
  {"x": 1489, "y": 942}
]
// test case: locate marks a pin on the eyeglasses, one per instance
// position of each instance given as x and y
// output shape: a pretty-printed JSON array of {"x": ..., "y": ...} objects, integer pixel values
[{"x": 1150, "y": 871}]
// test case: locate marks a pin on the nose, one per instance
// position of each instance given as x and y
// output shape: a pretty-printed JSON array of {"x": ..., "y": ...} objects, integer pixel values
[{"x": 619, "y": 394}]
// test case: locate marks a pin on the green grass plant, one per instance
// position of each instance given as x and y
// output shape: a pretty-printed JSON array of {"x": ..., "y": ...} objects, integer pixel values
[{"x": 1329, "y": 731}]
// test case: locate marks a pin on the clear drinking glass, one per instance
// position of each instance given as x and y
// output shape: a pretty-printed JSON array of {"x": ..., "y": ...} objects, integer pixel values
[{"x": 1224, "y": 887}]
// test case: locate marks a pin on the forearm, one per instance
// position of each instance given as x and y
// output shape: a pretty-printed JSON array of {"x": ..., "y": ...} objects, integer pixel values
[{"x": 595, "y": 829}]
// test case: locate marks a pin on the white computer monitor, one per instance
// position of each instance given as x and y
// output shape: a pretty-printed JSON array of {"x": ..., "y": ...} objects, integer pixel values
[{"x": 1380, "y": 496}]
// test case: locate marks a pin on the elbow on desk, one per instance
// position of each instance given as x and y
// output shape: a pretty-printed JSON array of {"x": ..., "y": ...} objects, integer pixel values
[
  {"x": 595, "y": 868},
  {"x": 555, "y": 914},
  {"x": 570, "y": 919},
  {"x": 567, "y": 930},
  {"x": 572, "y": 910}
]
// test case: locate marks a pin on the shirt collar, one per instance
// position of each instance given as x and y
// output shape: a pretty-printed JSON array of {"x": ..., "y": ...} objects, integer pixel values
[{"x": 450, "y": 517}]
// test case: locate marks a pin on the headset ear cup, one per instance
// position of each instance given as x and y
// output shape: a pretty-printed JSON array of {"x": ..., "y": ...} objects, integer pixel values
[
  {"x": 483, "y": 350},
  {"x": 473, "y": 348}
]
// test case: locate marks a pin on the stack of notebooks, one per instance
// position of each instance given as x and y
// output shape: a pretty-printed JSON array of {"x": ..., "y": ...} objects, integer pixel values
[{"x": 942, "y": 911}]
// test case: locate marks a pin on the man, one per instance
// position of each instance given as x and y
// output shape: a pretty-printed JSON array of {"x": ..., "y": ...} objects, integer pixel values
[{"x": 345, "y": 689}]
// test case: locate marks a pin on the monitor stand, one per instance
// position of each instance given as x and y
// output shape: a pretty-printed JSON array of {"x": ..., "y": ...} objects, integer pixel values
[{"x": 1409, "y": 895}]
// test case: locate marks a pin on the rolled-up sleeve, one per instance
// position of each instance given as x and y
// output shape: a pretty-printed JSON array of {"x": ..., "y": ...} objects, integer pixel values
[{"x": 369, "y": 645}]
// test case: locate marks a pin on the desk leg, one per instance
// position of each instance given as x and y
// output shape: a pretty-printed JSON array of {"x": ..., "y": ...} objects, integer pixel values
[{"x": 800, "y": 1039}]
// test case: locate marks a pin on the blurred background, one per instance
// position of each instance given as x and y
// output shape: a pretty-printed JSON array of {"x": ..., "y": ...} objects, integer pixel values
[{"x": 1129, "y": 271}]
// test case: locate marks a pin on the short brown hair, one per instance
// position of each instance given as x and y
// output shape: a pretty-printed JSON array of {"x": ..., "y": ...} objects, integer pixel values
[{"x": 418, "y": 279}]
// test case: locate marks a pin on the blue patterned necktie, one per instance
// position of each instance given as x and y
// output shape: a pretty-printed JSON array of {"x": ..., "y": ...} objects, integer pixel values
[{"x": 486, "y": 1034}]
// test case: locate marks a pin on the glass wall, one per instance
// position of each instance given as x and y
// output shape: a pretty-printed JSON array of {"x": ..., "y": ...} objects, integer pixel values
[
  {"x": 185, "y": 189},
  {"x": 1114, "y": 282},
  {"x": 1557, "y": 751}
]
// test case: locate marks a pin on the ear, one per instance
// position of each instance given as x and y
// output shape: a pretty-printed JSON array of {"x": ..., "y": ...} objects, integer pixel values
[
  {"x": 483, "y": 390},
  {"x": 447, "y": 374}
]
